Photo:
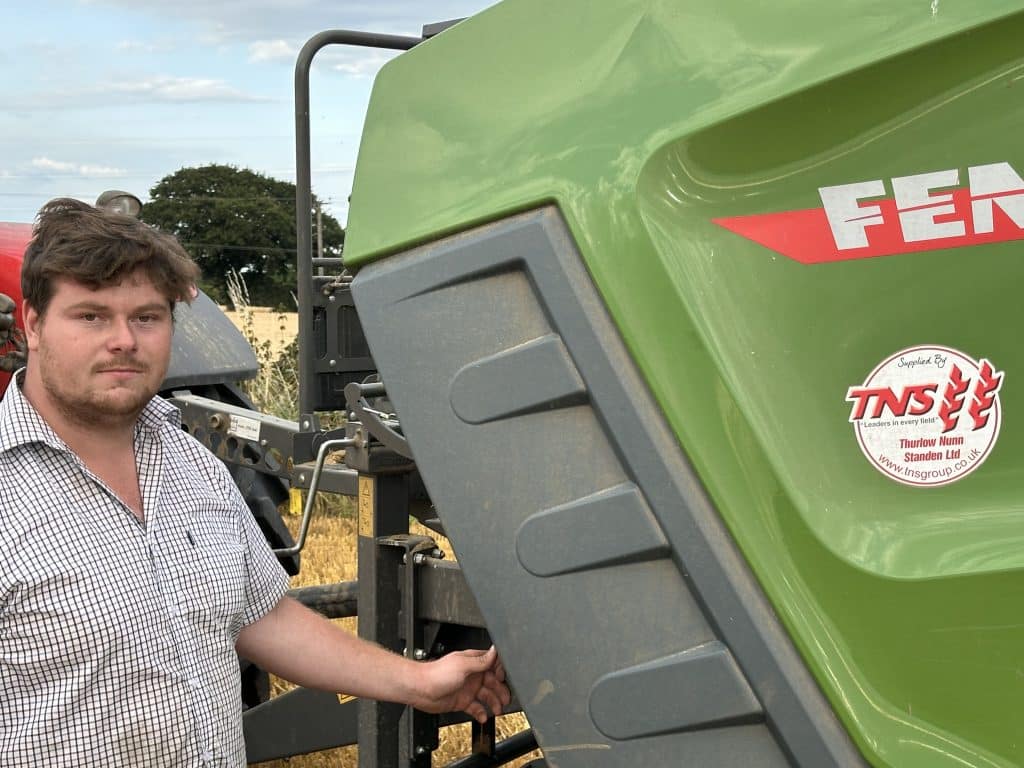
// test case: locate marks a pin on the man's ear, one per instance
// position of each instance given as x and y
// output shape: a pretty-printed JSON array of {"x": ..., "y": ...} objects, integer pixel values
[{"x": 31, "y": 321}]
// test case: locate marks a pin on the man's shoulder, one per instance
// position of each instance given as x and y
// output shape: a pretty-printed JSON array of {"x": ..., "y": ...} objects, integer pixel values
[
  {"x": 20, "y": 424},
  {"x": 28, "y": 491}
]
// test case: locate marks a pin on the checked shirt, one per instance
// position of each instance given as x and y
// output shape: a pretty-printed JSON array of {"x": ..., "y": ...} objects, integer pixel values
[{"x": 117, "y": 637}]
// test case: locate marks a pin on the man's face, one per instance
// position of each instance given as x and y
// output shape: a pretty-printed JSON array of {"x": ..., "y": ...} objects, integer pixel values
[{"x": 98, "y": 356}]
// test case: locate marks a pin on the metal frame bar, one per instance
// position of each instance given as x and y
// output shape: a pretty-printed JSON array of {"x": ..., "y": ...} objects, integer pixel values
[
  {"x": 209, "y": 422},
  {"x": 383, "y": 511},
  {"x": 299, "y": 722},
  {"x": 514, "y": 746}
]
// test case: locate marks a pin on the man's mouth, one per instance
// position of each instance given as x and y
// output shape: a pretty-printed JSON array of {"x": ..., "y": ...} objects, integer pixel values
[{"x": 121, "y": 370}]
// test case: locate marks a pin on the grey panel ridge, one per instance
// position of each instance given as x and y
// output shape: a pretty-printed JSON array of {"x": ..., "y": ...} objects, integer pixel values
[
  {"x": 705, "y": 685},
  {"x": 537, "y": 375},
  {"x": 610, "y": 527}
]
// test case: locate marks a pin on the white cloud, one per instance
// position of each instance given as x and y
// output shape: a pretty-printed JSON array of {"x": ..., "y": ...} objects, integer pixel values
[
  {"x": 161, "y": 89},
  {"x": 139, "y": 46},
  {"x": 272, "y": 50},
  {"x": 47, "y": 164},
  {"x": 83, "y": 170},
  {"x": 360, "y": 64},
  {"x": 248, "y": 20},
  {"x": 179, "y": 89}
]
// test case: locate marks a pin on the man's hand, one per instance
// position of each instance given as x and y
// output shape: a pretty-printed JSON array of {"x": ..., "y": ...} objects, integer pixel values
[
  {"x": 465, "y": 681},
  {"x": 299, "y": 645}
]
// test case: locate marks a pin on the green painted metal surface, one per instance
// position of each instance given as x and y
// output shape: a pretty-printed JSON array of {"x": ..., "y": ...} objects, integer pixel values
[{"x": 646, "y": 122}]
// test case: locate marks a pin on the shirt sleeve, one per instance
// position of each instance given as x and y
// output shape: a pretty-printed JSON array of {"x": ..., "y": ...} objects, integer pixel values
[{"x": 267, "y": 580}]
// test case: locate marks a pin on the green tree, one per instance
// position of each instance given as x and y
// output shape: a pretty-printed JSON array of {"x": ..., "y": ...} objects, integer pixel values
[{"x": 232, "y": 218}]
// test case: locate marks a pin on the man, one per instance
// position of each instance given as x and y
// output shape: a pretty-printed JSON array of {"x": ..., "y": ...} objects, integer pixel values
[{"x": 130, "y": 567}]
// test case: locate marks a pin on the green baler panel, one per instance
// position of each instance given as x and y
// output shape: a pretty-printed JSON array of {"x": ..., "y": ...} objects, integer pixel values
[{"x": 647, "y": 122}]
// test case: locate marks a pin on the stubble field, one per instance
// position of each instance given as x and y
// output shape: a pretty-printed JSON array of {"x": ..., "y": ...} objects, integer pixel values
[{"x": 268, "y": 330}]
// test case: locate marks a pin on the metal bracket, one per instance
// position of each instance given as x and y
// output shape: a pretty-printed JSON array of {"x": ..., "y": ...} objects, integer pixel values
[
  {"x": 328, "y": 446},
  {"x": 379, "y": 425}
]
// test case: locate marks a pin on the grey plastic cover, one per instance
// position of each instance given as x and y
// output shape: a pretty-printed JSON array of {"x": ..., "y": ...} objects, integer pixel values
[{"x": 632, "y": 630}]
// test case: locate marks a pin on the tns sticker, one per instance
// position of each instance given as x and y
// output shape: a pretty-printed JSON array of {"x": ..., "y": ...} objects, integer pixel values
[{"x": 928, "y": 415}]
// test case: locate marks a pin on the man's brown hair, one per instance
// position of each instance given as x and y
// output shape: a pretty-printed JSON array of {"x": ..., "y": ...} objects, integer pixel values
[{"x": 99, "y": 248}]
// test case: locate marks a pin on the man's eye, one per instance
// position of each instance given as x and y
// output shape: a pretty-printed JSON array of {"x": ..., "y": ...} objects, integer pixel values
[{"x": 89, "y": 317}]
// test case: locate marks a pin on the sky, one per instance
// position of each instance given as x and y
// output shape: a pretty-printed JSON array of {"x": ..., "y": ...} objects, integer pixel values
[{"x": 117, "y": 94}]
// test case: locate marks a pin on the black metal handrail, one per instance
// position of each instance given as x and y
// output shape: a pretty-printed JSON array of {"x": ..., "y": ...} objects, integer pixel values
[{"x": 304, "y": 193}]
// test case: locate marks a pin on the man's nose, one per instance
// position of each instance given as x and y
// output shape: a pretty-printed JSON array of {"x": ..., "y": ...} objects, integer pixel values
[{"x": 122, "y": 335}]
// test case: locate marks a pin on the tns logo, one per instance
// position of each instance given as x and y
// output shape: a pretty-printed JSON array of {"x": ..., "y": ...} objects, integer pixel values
[
  {"x": 907, "y": 214},
  {"x": 927, "y": 415},
  {"x": 919, "y": 399}
]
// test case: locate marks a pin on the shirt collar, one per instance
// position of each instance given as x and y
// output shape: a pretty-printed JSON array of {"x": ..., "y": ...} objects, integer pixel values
[{"x": 21, "y": 424}]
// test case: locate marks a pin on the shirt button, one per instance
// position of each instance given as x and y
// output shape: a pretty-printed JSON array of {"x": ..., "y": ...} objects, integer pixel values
[
  {"x": 207, "y": 757},
  {"x": 195, "y": 683}
]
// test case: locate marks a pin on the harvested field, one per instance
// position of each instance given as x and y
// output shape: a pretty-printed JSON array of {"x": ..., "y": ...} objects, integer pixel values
[{"x": 268, "y": 327}]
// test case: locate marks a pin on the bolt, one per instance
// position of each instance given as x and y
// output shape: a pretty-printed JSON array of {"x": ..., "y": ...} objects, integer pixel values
[
  {"x": 333, "y": 363},
  {"x": 302, "y": 477},
  {"x": 419, "y": 654},
  {"x": 421, "y": 751},
  {"x": 440, "y": 648},
  {"x": 405, "y": 558},
  {"x": 305, "y": 425},
  {"x": 264, "y": 443},
  {"x": 217, "y": 421},
  {"x": 437, "y": 554},
  {"x": 418, "y": 558}
]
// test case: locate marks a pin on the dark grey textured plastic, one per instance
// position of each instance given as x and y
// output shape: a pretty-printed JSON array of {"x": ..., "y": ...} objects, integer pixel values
[{"x": 514, "y": 456}]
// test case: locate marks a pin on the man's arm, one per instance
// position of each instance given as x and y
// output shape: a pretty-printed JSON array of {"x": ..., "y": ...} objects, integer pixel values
[{"x": 302, "y": 646}]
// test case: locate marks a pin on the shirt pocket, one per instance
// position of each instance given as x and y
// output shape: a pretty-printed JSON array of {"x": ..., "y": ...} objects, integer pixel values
[{"x": 212, "y": 572}]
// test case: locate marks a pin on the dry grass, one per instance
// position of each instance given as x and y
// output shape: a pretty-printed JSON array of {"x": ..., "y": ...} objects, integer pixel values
[
  {"x": 330, "y": 556},
  {"x": 272, "y": 335}
]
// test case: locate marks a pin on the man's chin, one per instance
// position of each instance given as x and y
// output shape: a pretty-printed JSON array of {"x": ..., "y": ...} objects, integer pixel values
[
  {"x": 123, "y": 406},
  {"x": 114, "y": 406}
]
